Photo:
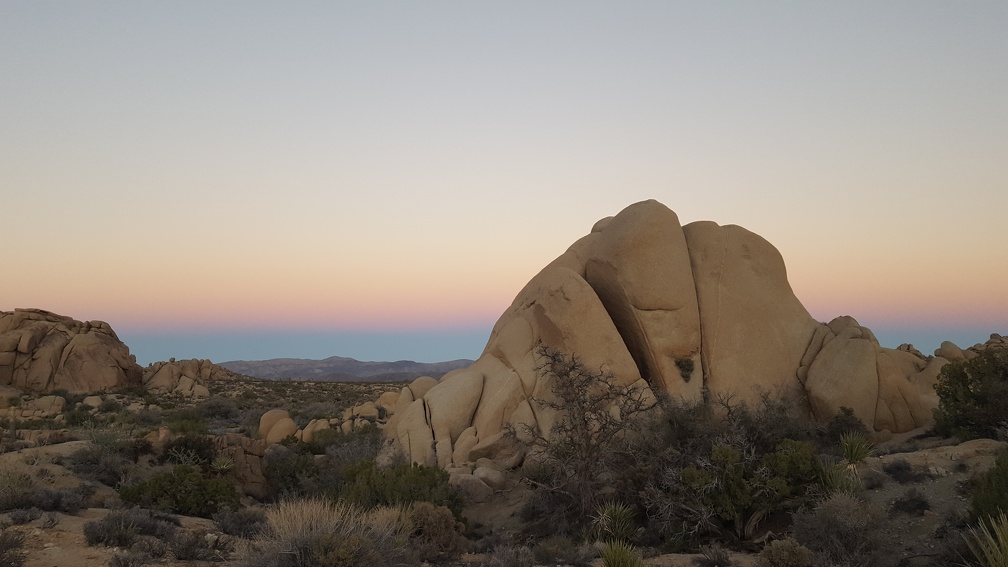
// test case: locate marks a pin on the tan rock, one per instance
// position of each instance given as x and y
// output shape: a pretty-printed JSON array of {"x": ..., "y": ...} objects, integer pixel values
[
  {"x": 420, "y": 386},
  {"x": 269, "y": 419},
  {"x": 283, "y": 428},
  {"x": 470, "y": 487}
]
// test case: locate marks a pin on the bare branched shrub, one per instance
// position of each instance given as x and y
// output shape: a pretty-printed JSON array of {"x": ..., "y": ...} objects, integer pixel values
[{"x": 596, "y": 416}]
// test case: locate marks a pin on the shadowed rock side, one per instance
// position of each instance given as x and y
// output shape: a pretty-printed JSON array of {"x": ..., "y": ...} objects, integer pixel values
[
  {"x": 648, "y": 300},
  {"x": 42, "y": 351}
]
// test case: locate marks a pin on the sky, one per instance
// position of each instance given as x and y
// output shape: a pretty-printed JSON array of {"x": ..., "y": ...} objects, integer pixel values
[{"x": 250, "y": 180}]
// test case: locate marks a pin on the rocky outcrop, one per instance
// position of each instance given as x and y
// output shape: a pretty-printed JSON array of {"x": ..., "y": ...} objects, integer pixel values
[
  {"x": 696, "y": 312},
  {"x": 187, "y": 378},
  {"x": 42, "y": 351}
]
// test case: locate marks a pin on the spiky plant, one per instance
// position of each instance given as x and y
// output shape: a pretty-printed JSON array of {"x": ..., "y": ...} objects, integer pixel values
[
  {"x": 620, "y": 554},
  {"x": 856, "y": 447},
  {"x": 614, "y": 521},
  {"x": 989, "y": 542}
]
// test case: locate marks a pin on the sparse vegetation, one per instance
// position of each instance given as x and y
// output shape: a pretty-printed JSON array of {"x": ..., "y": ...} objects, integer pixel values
[
  {"x": 990, "y": 493},
  {"x": 843, "y": 530},
  {"x": 11, "y": 552},
  {"x": 989, "y": 542}
]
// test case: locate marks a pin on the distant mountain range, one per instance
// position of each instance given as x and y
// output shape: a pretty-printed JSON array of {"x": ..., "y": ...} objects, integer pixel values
[{"x": 341, "y": 369}]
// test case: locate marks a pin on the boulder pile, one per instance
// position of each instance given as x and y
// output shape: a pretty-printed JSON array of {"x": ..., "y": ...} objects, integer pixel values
[
  {"x": 693, "y": 312},
  {"x": 41, "y": 351},
  {"x": 187, "y": 378}
]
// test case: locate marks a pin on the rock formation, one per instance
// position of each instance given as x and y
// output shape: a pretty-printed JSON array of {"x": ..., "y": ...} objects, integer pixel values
[
  {"x": 187, "y": 378},
  {"x": 42, "y": 351},
  {"x": 693, "y": 312}
]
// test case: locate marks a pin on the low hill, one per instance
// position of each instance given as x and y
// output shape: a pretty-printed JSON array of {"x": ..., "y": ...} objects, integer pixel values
[{"x": 341, "y": 369}]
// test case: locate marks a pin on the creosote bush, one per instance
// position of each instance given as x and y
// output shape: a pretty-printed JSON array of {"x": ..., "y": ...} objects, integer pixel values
[
  {"x": 437, "y": 535},
  {"x": 990, "y": 494},
  {"x": 973, "y": 395},
  {"x": 183, "y": 490},
  {"x": 121, "y": 528},
  {"x": 785, "y": 553},
  {"x": 843, "y": 530}
]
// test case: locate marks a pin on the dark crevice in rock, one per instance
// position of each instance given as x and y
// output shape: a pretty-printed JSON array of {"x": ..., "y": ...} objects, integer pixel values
[{"x": 603, "y": 280}]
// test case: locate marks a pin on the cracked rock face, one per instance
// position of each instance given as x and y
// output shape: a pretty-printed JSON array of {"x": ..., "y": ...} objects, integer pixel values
[
  {"x": 695, "y": 312},
  {"x": 42, "y": 351}
]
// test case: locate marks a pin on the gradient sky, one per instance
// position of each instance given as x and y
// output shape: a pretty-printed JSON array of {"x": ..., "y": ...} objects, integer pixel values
[{"x": 378, "y": 180}]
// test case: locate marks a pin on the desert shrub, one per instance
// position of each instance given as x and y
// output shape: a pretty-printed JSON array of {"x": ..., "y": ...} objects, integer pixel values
[
  {"x": 24, "y": 515},
  {"x": 562, "y": 550},
  {"x": 509, "y": 556},
  {"x": 128, "y": 559},
  {"x": 990, "y": 492},
  {"x": 713, "y": 556},
  {"x": 52, "y": 519},
  {"x": 973, "y": 395},
  {"x": 109, "y": 405},
  {"x": 596, "y": 414},
  {"x": 186, "y": 421},
  {"x": 189, "y": 545},
  {"x": 219, "y": 409},
  {"x": 989, "y": 541},
  {"x": 856, "y": 447},
  {"x": 785, "y": 553},
  {"x": 15, "y": 489},
  {"x": 614, "y": 521},
  {"x": 347, "y": 448},
  {"x": 838, "y": 477},
  {"x": 912, "y": 502},
  {"x": 842, "y": 423},
  {"x": 437, "y": 535},
  {"x": 104, "y": 461},
  {"x": 368, "y": 485},
  {"x": 241, "y": 522},
  {"x": 903, "y": 472},
  {"x": 322, "y": 533},
  {"x": 190, "y": 449},
  {"x": 182, "y": 490},
  {"x": 76, "y": 417},
  {"x": 620, "y": 554},
  {"x": 873, "y": 479},
  {"x": 738, "y": 489},
  {"x": 149, "y": 546},
  {"x": 20, "y": 491},
  {"x": 121, "y": 528},
  {"x": 11, "y": 542},
  {"x": 845, "y": 531}
]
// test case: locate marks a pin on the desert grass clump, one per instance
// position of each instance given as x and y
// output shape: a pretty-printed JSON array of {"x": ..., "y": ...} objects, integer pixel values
[
  {"x": 11, "y": 552},
  {"x": 785, "y": 553},
  {"x": 562, "y": 550},
  {"x": 241, "y": 522},
  {"x": 913, "y": 502},
  {"x": 323, "y": 533},
  {"x": 509, "y": 556},
  {"x": 620, "y": 554},
  {"x": 989, "y": 542},
  {"x": 713, "y": 556},
  {"x": 121, "y": 528}
]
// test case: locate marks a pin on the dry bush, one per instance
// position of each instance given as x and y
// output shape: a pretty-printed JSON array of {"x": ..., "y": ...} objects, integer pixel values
[
  {"x": 437, "y": 535},
  {"x": 845, "y": 531},
  {"x": 785, "y": 553},
  {"x": 323, "y": 533}
]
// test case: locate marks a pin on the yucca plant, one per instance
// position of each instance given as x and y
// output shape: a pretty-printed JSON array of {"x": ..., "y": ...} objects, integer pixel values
[
  {"x": 989, "y": 542},
  {"x": 856, "y": 447},
  {"x": 839, "y": 478},
  {"x": 614, "y": 521},
  {"x": 620, "y": 554}
]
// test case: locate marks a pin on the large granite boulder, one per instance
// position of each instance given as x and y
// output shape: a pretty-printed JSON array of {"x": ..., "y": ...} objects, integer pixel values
[
  {"x": 42, "y": 351},
  {"x": 699, "y": 312}
]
